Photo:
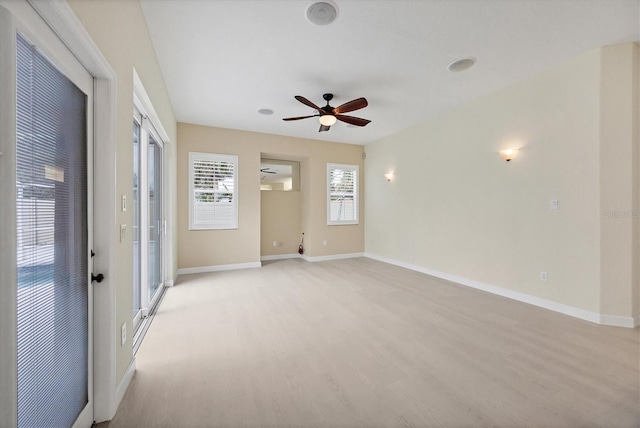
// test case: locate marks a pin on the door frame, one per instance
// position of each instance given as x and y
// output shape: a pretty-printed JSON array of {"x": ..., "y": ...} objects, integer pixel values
[
  {"x": 65, "y": 24},
  {"x": 150, "y": 125}
]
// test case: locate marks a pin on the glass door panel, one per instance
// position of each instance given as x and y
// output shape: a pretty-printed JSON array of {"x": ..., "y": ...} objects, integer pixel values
[
  {"x": 52, "y": 243},
  {"x": 155, "y": 215},
  {"x": 137, "y": 278}
]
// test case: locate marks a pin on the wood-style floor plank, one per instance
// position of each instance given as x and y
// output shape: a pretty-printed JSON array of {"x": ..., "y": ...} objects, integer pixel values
[{"x": 360, "y": 343}]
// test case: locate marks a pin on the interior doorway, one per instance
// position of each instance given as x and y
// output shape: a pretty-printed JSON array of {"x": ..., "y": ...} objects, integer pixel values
[{"x": 280, "y": 207}]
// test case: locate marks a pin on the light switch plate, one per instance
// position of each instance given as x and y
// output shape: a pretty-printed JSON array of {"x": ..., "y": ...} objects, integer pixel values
[
  {"x": 124, "y": 203},
  {"x": 123, "y": 232}
]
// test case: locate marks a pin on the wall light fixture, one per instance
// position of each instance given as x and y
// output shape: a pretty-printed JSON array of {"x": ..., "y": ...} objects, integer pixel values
[{"x": 508, "y": 154}]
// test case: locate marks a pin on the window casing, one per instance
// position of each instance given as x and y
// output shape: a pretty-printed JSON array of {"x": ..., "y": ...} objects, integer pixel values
[
  {"x": 342, "y": 194},
  {"x": 213, "y": 191}
]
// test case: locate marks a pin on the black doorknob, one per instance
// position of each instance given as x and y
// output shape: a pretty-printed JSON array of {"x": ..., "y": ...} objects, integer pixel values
[{"x": 97, "y": 278}]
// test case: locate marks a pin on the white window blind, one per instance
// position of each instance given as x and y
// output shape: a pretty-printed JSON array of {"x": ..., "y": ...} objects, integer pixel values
[
  {"x": 342, "y": 194},
  {"x": 52, "y": 240},
  {"x": 213, "y": 191}
]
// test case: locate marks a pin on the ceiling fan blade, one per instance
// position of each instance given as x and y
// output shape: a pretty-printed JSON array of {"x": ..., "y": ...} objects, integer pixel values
[
  {"x": 323, "y": 128},
  {"x": 267, "y": 172},
  {"x": 300, "y": 117},
  {"x": 352, "y": 120},
  {"x": 351, "y": 106},
  {"x": 305, "y": 101}
]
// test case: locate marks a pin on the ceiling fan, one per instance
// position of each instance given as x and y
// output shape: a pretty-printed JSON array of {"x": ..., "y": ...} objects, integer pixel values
[{"x": 329, "y": 115}]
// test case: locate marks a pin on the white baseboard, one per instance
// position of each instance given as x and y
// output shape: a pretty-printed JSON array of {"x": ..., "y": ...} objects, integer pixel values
[
  {"x": 332, "y": 257},
  {"x": 618, "y": 321},
  {"x": 218, "y": 268},
  {"x": 124, "y": 383},
  {"x": 312, "y": 259},
  {"x": 583, "y": 314},
  {"x": 280, "y": 257},
  {"x": 169, "y": 283}
]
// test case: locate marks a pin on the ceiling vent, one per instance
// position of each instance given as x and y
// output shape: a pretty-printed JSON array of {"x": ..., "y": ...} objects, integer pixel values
[{"x": 322, "y": 13}]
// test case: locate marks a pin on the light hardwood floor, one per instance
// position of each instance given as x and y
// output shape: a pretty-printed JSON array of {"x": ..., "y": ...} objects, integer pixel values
[{"x": 360, "y": 343}]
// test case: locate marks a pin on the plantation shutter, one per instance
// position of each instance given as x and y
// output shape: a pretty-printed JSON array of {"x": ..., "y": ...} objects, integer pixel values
[
  {"x": 342, "y": 203},
  {"x": 213, "y": 191}
]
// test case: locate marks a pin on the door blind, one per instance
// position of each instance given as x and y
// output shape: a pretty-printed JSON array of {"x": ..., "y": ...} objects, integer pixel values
[{"x": 51, "y": 192}]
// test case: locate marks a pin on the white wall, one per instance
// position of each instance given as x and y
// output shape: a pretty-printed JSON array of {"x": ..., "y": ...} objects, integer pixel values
[{"x": 456, "y": 207}]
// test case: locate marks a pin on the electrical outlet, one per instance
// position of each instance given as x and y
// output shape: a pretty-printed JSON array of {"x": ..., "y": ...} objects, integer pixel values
[
  {"x": 123, "y": 334},
  {"x": 124, "y": 203},
  {"x": 553, "y": 204},
  {"x": 324, "y": 243},
  {"x": 543, "y": 276},
  {"x": 275, "y": 243}
]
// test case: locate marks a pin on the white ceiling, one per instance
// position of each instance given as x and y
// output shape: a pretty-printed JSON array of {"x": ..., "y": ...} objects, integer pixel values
[{"x": 222, "y": 60}]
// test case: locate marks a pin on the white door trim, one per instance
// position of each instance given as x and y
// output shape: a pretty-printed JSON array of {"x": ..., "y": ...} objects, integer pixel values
[{"x": 8, "y": 294}]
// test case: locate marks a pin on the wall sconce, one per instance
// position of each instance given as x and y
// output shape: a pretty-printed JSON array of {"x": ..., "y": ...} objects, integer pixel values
[
  {"x": 508, "y": 154},
  {"x": 389, "y": 176}
]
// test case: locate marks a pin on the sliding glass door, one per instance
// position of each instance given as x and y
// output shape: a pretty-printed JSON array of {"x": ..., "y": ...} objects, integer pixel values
[{"x": 149, "y": 218}]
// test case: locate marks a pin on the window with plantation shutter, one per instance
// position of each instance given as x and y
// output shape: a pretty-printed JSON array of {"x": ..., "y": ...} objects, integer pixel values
[
  {"x": 342, "y": 194},
  {"x": 213, "y": 191}
]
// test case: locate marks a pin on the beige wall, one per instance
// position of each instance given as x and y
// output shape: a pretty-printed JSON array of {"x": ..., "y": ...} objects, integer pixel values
[
  {"x": 119, "y": 30},
  {"x": 619, "y": 186},
  {"x": 220, "y": 247},
  {"x": 280, "y": 221},
  {"x": 456, "y": 207}
]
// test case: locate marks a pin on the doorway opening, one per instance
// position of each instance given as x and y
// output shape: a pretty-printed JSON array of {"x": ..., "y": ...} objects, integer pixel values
[{"x": 281, "y": 202}]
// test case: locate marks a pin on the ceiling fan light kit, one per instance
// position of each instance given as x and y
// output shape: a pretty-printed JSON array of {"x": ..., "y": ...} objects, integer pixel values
[
  {"x": 327, "y": 119},
  {"x": 329, "y": 115}
]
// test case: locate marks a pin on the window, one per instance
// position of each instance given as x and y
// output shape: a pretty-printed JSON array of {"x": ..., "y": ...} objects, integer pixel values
[
  {"x": 342, "y": 194},
  {"x": 213, "y": 191}
]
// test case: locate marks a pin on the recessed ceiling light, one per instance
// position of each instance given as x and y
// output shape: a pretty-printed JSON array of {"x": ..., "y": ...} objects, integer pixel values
[
  {"x": 265, "y": 111},
  {"x": 322, "y": 13},
  {"x": 461, "y": 64}
]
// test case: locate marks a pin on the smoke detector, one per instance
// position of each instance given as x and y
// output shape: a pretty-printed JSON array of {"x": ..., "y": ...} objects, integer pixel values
[{"x": 322, "y": 12}]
